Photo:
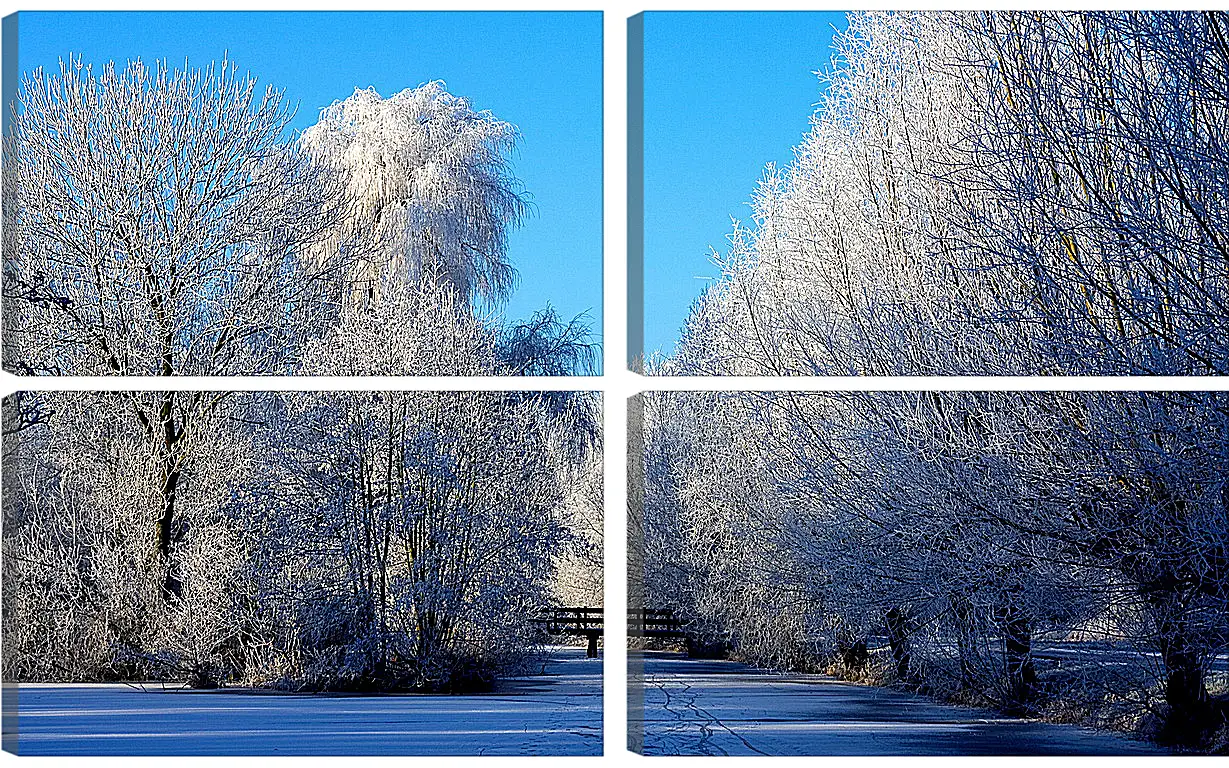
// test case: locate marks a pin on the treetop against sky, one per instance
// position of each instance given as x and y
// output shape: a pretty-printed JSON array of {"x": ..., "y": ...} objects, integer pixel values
[
  {"x": 724, "y": 95},
  {"x": 318, "y": 58},
  {"x": 981, "y": 192}
]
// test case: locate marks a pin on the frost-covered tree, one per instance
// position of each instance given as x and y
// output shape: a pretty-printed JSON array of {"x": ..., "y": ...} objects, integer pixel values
[
  {"x": 100, "y": 582},
  {"x": 175, "y": 434},
  {"x": 430, "y": 187},
  {"x": 155, "y": 224},
  {"x": 419, "y": 527},
  {"x": 1146, "y": 498},
  {"x": 545, "y": 345}
]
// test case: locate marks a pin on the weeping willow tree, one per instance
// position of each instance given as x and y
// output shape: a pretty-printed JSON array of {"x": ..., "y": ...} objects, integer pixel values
[
  {"x": 430, "y": 186},
  {"x": 432, "y": 200}
]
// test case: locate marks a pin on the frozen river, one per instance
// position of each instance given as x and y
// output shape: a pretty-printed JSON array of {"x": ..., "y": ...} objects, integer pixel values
[
  {"x": 557, "y": 713},
  {"x": 694, "y": 707}
]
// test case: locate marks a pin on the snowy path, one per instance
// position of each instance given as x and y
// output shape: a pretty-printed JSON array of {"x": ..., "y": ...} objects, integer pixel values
[
  {"x": 698, "y": 707},
  {"x": 557, "y": 713}
]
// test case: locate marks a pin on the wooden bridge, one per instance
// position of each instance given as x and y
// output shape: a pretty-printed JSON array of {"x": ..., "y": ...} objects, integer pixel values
[{"x": 590, "y": 624}]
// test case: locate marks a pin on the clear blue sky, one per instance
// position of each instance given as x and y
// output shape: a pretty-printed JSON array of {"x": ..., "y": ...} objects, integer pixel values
[
  {"x": 540, "y": 71},
  {"x": 725, "y": 94}
]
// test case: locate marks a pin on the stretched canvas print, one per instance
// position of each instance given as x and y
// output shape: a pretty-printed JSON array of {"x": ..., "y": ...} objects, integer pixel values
[
  {"x": 354, "y": 573},
  {"x": 302, "y": 193},
  {"x": 936, "y": 573},
  {"x": 996, "y": 192}
]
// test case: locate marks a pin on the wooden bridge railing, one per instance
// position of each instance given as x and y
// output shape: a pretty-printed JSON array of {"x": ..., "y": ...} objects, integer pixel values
[
  {"x": 571, "y": 621},
  {"x": 583, "y": 622},
  {"x": 653, "y": 622},
  {"x": 590, "y": 624}
]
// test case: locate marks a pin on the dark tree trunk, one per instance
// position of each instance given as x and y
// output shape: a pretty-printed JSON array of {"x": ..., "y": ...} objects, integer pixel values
[
  {"x": 165, "y": 526},
  {"x": 171, "y": 586},
  {"x": 854, "y": 655},
  {"x": 1018, "y": 660},
  {"x": 1192, "y": 713},
  {"x": 705, "y": 648},
  {"x": 965, "y": 643},
  {"x": 898, "y": 642}
]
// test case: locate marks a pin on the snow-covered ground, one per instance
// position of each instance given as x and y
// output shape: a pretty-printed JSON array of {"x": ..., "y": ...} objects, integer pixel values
[
  {"x": 694, "y": 707},
  {"x": 557, "y": 713}
]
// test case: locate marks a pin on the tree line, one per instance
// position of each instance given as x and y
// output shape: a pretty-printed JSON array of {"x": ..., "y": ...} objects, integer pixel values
[
  {"x": 999, "y": 192},
  {"x": 1062, "y": 555},
  {"x": 990, "y": 193},
  {"x": 303, "y": 541}
]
